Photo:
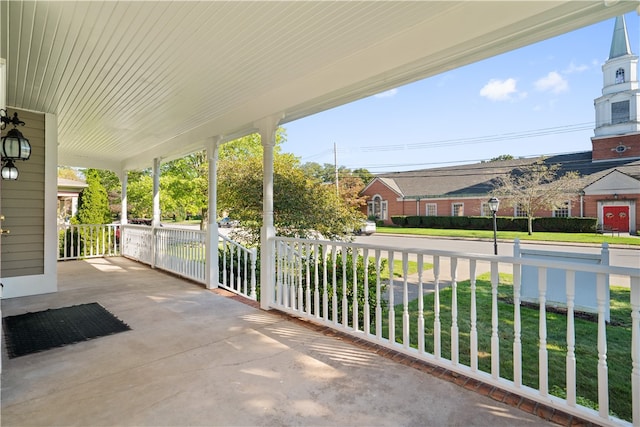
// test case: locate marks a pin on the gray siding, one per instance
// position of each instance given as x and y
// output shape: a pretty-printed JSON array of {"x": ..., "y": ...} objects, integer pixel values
[{"x": 23, "y": 206}]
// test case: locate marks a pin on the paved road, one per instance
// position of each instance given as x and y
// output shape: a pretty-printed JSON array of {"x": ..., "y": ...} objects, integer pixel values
[{"x": 624, "y": 257}]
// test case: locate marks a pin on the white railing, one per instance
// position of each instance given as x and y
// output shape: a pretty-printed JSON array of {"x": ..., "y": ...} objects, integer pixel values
[
  {"x": 475, "y": 338},
  {"x": 237, "y": 266},
  {"x": 182, "y": 252},
  {"x": 137, "y": 243},
  {"x": 77, "y": 241}
]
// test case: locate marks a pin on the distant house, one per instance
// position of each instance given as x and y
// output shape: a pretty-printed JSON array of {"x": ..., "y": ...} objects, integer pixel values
[
  {"x": 68, "y": 192},
  {"x": 610, "y": 172}
]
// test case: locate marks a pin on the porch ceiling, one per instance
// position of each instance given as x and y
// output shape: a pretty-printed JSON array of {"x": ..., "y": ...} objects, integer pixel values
[{"x": 131, "y": 81}]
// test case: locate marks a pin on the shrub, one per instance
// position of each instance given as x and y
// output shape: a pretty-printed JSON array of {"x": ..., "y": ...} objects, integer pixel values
[
  {"x": 413, "y": 221},
  {"x": 400, "y": 220}
]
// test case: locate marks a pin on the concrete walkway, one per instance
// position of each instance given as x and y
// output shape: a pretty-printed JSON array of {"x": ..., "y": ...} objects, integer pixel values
[{"x": 195, "y": 357}]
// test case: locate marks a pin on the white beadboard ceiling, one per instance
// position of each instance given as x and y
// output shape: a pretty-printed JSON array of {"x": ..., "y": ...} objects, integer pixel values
[{"x": 134, "y": 80}]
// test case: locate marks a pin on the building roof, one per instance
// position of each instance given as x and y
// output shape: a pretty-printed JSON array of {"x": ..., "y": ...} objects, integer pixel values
[
  {"x": 67, "y": 184},
  {"x": 620, "y": 43},
  {"x": 479, "y": 178}
]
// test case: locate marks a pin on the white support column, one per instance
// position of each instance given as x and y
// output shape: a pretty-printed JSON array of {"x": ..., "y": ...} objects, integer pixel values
[
  {"x": 267, "y": 129},
  {"x": 211, "y": 251},
  {"x": 156, "y": 192},
  {"x": 124, "y": 179}
]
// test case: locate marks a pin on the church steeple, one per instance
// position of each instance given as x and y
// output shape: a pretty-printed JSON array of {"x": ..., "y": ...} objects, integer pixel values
[
  {"x": 617, "y": 131},
  {"x": 620, "y": 42}
]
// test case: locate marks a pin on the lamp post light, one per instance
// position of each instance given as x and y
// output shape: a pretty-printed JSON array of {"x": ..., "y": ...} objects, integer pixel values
[{"x": 494, "y": 204}]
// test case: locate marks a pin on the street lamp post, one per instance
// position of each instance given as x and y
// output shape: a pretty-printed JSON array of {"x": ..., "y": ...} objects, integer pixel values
[{"x": 494, "y": 203}]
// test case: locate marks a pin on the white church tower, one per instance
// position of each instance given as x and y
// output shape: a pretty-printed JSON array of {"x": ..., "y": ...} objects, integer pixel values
[{"x": 617, "y": 131}]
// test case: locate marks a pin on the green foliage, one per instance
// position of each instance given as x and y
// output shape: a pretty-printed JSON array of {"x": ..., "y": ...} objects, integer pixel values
[
  {"x": 93, "y": 204},
  {"x": 346, "y": 284},
  {"x": 303, "y": 207},
  {"x": 140, "y": 195},
  {"x": 546, "y": 224},
  {"x": 400, "y": 220}
]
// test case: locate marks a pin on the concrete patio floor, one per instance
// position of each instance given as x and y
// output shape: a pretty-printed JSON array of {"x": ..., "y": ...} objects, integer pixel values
[{"x": 196, "y": 357}]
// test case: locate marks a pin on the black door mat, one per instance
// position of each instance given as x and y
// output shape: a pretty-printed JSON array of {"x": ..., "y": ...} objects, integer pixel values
[{"x": 33, "y": 332}]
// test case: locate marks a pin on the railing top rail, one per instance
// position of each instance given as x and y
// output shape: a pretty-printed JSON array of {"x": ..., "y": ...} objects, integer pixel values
[{"x": 549, "y": 263}]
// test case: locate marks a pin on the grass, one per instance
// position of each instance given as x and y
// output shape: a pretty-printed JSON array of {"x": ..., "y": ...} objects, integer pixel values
[
  {"x": 412, "y": 268},
  {"x": 511, "y": 235},
  {"x": 618, "y": 340}
]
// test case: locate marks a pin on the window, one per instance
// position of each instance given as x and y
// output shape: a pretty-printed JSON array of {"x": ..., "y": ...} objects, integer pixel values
[
  {"x": 377, "y": 208},
  {"x": 520, "y": 210},
  {"x": 562, "y": 211},
  {"x": 485, "y": 210},
  {"x": 620, "y": 75},
  {"x": 431, "y": 209},
  {"x": 457, "y": 209},
  {"x": 619, "y": 112}
]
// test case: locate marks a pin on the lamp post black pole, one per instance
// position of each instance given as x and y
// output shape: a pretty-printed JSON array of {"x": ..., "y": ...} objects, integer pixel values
[{"x": 495, "y": 234}]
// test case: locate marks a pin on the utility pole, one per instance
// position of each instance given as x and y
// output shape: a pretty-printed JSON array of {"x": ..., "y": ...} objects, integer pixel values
[{"x": 335, "y": 162}]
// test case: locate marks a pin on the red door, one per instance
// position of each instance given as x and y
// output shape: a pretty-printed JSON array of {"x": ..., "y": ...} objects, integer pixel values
[{"x": 616, "y": 217}]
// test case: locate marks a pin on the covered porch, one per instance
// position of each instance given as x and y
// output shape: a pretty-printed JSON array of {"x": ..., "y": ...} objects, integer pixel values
[{"x": 201, "y": 357}]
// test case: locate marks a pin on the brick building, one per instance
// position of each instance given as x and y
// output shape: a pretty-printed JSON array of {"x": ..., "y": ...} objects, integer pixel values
[{"x": 610, "y": 172}]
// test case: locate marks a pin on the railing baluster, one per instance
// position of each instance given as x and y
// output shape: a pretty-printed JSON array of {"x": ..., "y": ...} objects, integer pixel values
[
  {"x": 334, "y": 296},
  {"x": 495, "y": 340},
  {"x": 437, "y": 350},
  {"x": 571, "y": 339},
  {"x": 420, "y": 304},
  {"x": 455, "y": 354},
  {"x": 392, "y": 311},
  {"x": 307, "y": 258},
  {"x": 543, "y": 361},
  {"x": 367, "y": 307},
  {"x": 517, "y": 325},
  {"x": 473, "y": 333},
  {"x": 405, "y": 299},
  {"x": 603, "y": 381},
  {"x": 345, "y": 302},
  {"x": 635, "y": 350},
  {"x": 325, "y": 282},
  {"x": 316, "y": 280},
  {"x": 378, "y": 304},
  {"x": 356, "y": 308}
]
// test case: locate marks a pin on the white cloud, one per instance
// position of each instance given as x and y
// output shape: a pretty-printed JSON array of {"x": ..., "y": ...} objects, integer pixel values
[
  {"x": 552, "y": 82},
  {"x": 499, "y": 90},
  {"x": 573, "y": 68},
  {"x": 386, "y": 94}
]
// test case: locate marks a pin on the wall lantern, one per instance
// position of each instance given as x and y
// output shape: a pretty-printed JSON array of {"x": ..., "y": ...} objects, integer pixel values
[
  {"x": 494, "y": 204},
  {"x": 14, "y": 146}
]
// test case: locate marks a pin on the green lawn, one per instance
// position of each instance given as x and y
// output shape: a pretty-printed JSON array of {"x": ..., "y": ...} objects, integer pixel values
[
  {"x": 618, "y": 340},
  {"x": 511, "y": 235}
]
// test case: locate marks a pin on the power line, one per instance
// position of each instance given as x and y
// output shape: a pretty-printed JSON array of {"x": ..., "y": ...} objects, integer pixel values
[{"x": 556, "y": 130}]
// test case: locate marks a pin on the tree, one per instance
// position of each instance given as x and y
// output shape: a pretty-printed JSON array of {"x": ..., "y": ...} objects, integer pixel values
[
  {"x": 303, "y": 206},
  {"x": 500, "y": 158},
  {"x": 93, "y": 204},
  {"x": 68, "y": 173},
  {"x": 184, "y": 187},
  {"x": 537, "y": 187},
  {"x": 111, "y": 183}
]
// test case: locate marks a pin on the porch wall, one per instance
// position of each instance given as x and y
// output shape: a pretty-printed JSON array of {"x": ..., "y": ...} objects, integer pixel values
[{"x": 29, "y": 207}]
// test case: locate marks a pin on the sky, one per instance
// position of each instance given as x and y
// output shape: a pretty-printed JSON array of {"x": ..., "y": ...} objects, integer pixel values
[{"x": 533, "y": 101}]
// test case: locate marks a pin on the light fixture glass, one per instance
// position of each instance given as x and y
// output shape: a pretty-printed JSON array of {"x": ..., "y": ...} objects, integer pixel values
[
  {"x": 9, "y": 171},
  {"x": 15, "y": 146},
  {"x": 494, "y": 204}
]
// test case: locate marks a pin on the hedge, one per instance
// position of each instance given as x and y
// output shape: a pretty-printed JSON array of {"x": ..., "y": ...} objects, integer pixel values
[{"x": 564, "y": 225}]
